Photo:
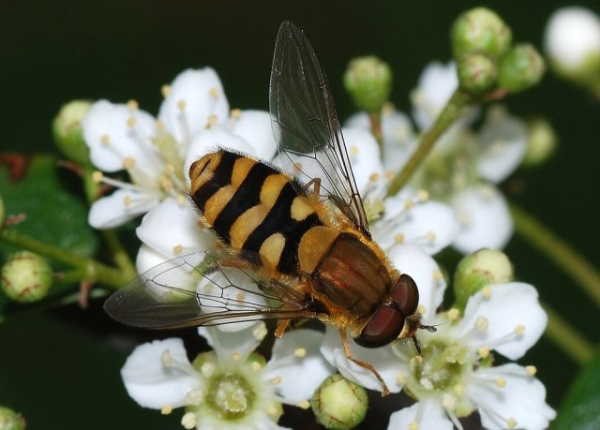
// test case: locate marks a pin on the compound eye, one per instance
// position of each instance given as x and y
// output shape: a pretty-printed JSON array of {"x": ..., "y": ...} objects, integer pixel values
[
  {"x": 406, "y": 295},
  {"x": 384, "y": 327}
]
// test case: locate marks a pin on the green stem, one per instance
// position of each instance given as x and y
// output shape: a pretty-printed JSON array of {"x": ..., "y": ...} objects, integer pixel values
[
  {"x": 559, "y": 331},
  {"x": 456, "y": 107},
  {"x": 375, "y": 119},
  {"x": 557, "y": 250},
  {"x": 93, "y": 270}
]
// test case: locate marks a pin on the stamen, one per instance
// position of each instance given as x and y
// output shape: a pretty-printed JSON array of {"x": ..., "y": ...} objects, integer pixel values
[
  {"x": 208, "y": 369},
  {"x": 132, "y": 105},
  {"x": 235, "y": 113},
  {"x": 449, "y": 401},
  {"x": 413, "y": 426},
  {"x": 165, "y": 91},
  {"x": 304, "y": 404},
  {"x": 423, "y": 195},
  {"x": 374, "y": 177},
  {"x": 300, "y": 352},
  {"x": 131, "y": 122},
  {"x": 194, "y": 397},
  {"x": 459, "y": 390},
  {"x": 127, "y": 201},
  {"x": 166, "y": 359},
  {"x": 484, "y": 352},
  {"x": 189, "y": 420},
  {"x": 236, "y": 356},
  {"x": 453, "y": 314},
  {"x": 519, "y": 329},
  {"x": 260, "y": 331},
  {"x": 212, "y": 120},
  {"x": 511, "y": 423},
  {"x": 272, "y": 410},
  {"x": 486, "y": 291},
  {"x": 105, "y": 140},
  {"x": 531, "y": 370},
  {"x": 177, "y": 249},
  {"x": 500, "y": 382},
  {"x": 437, "y": 275},
  {"x": 213, "y": 92},
  {"x": 255, "y": 366},
  {"x": 276, "y": 380},
  {"x": 421, "y": 310},
  {"x": 401, "y": 379},
  {"x": 97, "y": 176},
  {"x": 181, "y": 199},
  {"x": 128, "y": 162},
  {"x": 399, "y": 238},
  {"x": 354, "y": 150},
  {"x": 389, "y": 174},
  {"x": 409, "y": 204},
  {"x": 430, "y": 236},
  {"x": 482, "y": 323},
  {"x": 166, "y": 409},
  {"x": 416, "y": 360}
]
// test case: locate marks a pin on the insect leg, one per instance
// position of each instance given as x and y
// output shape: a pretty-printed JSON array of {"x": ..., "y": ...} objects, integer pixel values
[
  {"x": 281, "y": 326},
  {"x": 315, "y": 183},
  {"x": 364, "y": 364}
]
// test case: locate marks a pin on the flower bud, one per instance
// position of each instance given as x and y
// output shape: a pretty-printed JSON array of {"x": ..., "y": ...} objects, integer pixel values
[
  {"x": 368, "y": 80},
  {"x": 572, "y": 43},
  {"x": 477, "y": 72},
  {"x": 339, "y": 403},
  {"x": 541, "y": 143},
  {"x": 477, "y": 270},
  {"x": 521, "y": 68},
  {"x": 10, "y": 420},
  {"x": 480, "y": 30},
  {"x": 26, "y": 277},
  {"x": 68, "y": 134}
]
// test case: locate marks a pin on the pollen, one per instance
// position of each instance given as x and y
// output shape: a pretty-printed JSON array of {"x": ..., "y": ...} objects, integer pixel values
[
  {"x": 97, "y": 176},
  {"x": 166, "y": 409},
  {"x": 255, "y": 366},
  {"x": 214, "y": 93},
  {"x": 300, "y": 352},
  {"x": 276, "y": 380},
  {"x": 399, "y": 238},
  {"x": 401, "y": 379},
  {"x": 500, "y": 382},
  {"x": 511, "y": 423},
  {"x": 105, "y": 140},
  {"x": 166, "y": 359},
  {"x": 127, "y": 201},
  {"x": 430, "y": 236},
  {"x": 177, "y": 249},
  {"x": 132, "y": 105},
  {"x": 413, "y": 426},
  {"x": 421, "y": 310},
  {"x": 304, "y": 404},
  {"x": 519, "y": 329},
  {"x": 409, "y": 204},
  {"x": 437, "y": 275},
  {"x": 453, "y": 314},
  {"x": 181, "y": 199},
  {"x": 486, "y": 291},
  {"x": 272, "y": 410},
  {"x": 416, "y": 360},
  {"x": 423, "y": 195},
  {"x": 260, "y": 331},
  {"x": 165, "y": 90},
  {"x": 181, "y": 104},
  {"x": 208, "y": 369},
  {"x": 531, "y": 370},
  {"x": 374, "y": 177},
  {"x": 189, "y": 420},
  {"x": 389, "y": 174},
  {"x": 212, "y": 120},
  {"x": 354, "y": 150},
  {"x": 236, "y": 356},
  {"x": 194, "y": 397},
  {"x": 449, "y": 402},
  {"x": 235, "y": 113},
  {"x": 484, "y": 352},
  {"x": 459, "y": 390},
  {"x": 128, "y": 162},
  {"x": 482, "y": 323}
]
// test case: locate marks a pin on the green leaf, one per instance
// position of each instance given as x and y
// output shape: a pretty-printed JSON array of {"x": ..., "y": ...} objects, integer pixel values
[
  {"x": 581, "y": 409},
  {"x": 53, "y": 215}
]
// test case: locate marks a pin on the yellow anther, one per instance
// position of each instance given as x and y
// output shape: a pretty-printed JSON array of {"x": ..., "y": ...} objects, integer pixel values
[
  {"x": 212, "y": 120},
  {"x": 166, "y": 359},
  {"x": 255, "y": 366},
  {"x": 389, "y": 174},
  {"x": 166, "y": 409},
  {"x": 127, "y": 201},
  {"x": 300, "y": 352},
  {"x": 208, "y": 369},
  {"x": 235, "y": 113},
  {"x": 236, "y": 356},
  {"x": 430, "y": 236},
  {"x": 459, "y": 390},
  {"x": 177, "y": 249},
  {"x": 448, "y": 402},
  {"x": 511, "y": 423},
  {"x": 240, "y": 297},
  {"x": 194, "y": 397},
  {"x": 276, "y": 380},
  {"x": 438, "y": 275},
  {"x": 500, "y": 382},
  {"x": 214, "y": 93},
  {"x": 181, "y": 200},
  {"x": 97, "y": 176},
  {"x": 453, "y": 314},
  {"x": 189, "y": 420},
  {"x": 304, "y": 404},
  {"x": 399, "y": 238},
  {"x": 272, "y": 410},
  {"x": 165, "y": 90},
  {"x": 482, "y": 323},
  {"x": 105, "y": 140},
  {"x": 416, "y": 360},
  {"x": 260, "y": 331},
  {"x": 401, "y": 379},
  {"x": 181, "y": 105},
  {"x": 423, "y": 195},
  {"x": 531, "y": 370},
  {"x": 487, "y": 292},
  {"x": 409, "y": 204},
  {"x": 128, "y": 162},
  {"x": 354, "y": 150},
  {"x": 484, "y": 352},
  {"x": 519, "y": 329},
  {"x": 132, "y": 105},
  {"x": 413, "y": 426},
  {"x": 374, "y": 177}
]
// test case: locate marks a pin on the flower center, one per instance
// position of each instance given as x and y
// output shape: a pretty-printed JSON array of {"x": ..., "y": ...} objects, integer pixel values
[{"x": 230, "y": 395}]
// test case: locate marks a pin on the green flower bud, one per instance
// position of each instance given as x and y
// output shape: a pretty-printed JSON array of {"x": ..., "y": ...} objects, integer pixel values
[
  {"x": 477, "y": 270},
  {"x": 477, "y": 72},
  {"x": 480, "y": 30},
  {"x": 542, "y": 143},
  {"x": 68, "y": 134},
  {"x": 368, "y": 80},
  {"x": 339, "y": 403},
  {"x": 521, "y": 68},
  {"x": 26, "y": 277},
  {"x": 10, "y": 420}
]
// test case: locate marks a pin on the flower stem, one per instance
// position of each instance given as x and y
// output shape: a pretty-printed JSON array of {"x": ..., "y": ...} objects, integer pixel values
[
  {"x": 375, "y": 119},
  {"x": 92, "y": 270},
  {"x": 559, "y": 331},
  {"x": 456, "y": 107},
  {"x": 557, "y": 250}
]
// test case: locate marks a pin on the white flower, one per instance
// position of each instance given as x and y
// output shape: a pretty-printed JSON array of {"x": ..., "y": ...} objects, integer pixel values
[
  {"x": 436, "y": 85},
  {"x": 572, "y": 39},
  {"x": 155, "y": 153},
  {"x": 231, "y": 387},
  {"x": 453, "y": 376}
]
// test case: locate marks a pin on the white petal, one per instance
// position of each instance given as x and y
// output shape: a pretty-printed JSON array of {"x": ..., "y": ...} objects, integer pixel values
[
  {"x": 509, "y": 307},
  {"x": 254, "y": 126},
  {"x": 172, "y": 229},
  {"x": 572, "y": 37},
  {"x": 153, "y": 385},
  {"x": 436, "y": 84},
  {"x": 429, "y": 415},
  {"x": 486, "y": 222},
  {"x": 382, "y": 359},
  {"x": 301, "y": 374},
  {"x": 120, "y": 207},
  {"x": 111, "y": 139},
  {"x": 522, "y": 399},
  {"x": 234, "y": 344},
  {"x": 503, "y": 142},
  {"x": 212, "y": 140},
  {"x": 429, "y": 225},
  {"x": 201, "y": 95},
  {"x": 426, "y": 273},
  {"x": 365, "y": 158}
]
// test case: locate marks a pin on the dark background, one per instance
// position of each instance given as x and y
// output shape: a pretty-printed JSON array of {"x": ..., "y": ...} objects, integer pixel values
[{"x": 57, "y": 369}]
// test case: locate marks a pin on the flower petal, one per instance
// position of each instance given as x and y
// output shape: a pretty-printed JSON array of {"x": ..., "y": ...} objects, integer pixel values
[
  {"x": 172, "y": 229},
  {"x": 521, "y": 399},
  {"x": 515, "y": 318},
  {"x": 364, "y": 154},
  {"x": 111, "y": 137},
  {"x": 120, "y": 207},
  {"x": 297, "y": 359},
  {"x": 195, "y": 99},
  {"x": 254, "y": 126},
  {"x": 436, "y": 84},
  {"x": 150, "y": 383},
  {"x": 486, "y": 222},
  {"x": 227, "y": 345},
  {"x": 502, "y": 146},
  {"x": 428, "y": 415},
  {"x": 426, "y": 273},
  {"x": 382, "y": 359}
]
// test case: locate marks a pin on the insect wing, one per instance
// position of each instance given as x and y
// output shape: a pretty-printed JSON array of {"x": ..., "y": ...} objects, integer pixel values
[
  {"x": 306, "y": 125},
  {"x": 183, "y": 292}
]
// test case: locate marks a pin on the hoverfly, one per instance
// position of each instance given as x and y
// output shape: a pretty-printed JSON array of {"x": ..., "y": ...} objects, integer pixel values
[{"x": 305, "y": 243}]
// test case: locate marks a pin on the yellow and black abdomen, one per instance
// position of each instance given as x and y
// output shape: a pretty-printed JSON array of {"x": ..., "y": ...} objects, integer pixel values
[{"x": 252, "y": 207}]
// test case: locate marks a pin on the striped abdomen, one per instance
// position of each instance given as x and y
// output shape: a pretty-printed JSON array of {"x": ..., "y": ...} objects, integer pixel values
[{"x": 252, "y": 207}]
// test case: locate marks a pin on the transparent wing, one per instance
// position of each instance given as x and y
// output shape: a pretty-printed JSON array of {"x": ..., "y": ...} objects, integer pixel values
[
  {"x": 199, "y": 289},
  {"x": 306, "y": 125}
]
